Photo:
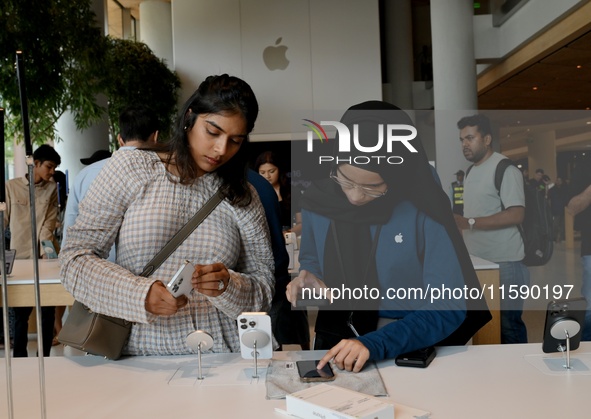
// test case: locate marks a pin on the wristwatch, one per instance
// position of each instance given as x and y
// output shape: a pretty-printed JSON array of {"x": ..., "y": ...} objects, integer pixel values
[{"x": 471, "y": 222}]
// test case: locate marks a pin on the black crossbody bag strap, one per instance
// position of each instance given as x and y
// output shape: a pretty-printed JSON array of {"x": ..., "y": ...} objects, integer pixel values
[{"x": 182, "y": 234}]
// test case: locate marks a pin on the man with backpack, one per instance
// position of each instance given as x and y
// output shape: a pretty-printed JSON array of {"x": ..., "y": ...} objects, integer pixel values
[{"x": 491, "y": 218}]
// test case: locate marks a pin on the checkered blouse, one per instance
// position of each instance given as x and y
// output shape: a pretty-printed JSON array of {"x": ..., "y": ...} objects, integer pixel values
[{"x": 134, "y": 204}]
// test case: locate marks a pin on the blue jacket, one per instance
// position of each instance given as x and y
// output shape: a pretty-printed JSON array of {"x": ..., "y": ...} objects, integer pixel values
[{"x": 413, "y": 251}]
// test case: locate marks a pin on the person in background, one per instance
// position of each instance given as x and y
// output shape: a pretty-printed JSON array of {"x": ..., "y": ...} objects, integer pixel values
[
  {"x": 538, "y": 182},
  {"x": 491, "y": 218},
  {"x": 268, "y": 166},
  {"x": 289, "y": 326},
  {"x": 18, "y": 217},
  {"x": 382, "y": 226},
  {"x": 97, "y": 156},
  {"x": 142, "y": 197},
  {"x": 580, "y": 207},
  {"x": 457, "y": 193}
]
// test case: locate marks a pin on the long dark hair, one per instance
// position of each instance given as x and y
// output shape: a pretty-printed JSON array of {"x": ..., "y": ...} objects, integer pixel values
[
  {"x": 215, "y": 95},
  {"x": 271, "y": 158}
]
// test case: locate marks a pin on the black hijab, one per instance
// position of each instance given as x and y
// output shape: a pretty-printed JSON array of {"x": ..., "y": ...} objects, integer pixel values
[{"x": 413, "y": 180}]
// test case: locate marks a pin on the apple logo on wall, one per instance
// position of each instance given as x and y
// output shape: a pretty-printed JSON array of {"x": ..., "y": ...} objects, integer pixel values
[{"x": 274, "y": 56}]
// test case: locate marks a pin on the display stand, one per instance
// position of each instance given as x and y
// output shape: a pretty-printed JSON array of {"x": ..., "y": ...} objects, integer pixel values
[
  {"x": 255, "y": 339},
  {"x": 564, "y": 329},
  {"x": 200, "y": 341},
  {"x": 20, "y": 67},
  {"x": 562, "y": 334}
]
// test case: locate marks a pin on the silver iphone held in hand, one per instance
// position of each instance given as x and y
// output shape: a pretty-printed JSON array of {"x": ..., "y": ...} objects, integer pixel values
[{"x": 180, "y": 284}]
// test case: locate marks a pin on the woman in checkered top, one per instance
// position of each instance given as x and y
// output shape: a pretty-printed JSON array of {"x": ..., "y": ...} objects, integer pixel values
[{"x": 143, "y": 197}]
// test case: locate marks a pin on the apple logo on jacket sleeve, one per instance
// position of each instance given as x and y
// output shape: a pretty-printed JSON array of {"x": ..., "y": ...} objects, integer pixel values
[
  {"x": 398, "y": 238},
  {"x": 274, "y": 56}
]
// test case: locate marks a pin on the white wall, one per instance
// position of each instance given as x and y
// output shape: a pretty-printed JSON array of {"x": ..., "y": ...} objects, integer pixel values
[
  {"x": 156, "y": 28},
  {"x": 333, "y": 49}
]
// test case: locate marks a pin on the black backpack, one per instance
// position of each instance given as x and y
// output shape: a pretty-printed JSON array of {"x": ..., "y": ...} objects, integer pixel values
[{"x": 536, "y": 228}]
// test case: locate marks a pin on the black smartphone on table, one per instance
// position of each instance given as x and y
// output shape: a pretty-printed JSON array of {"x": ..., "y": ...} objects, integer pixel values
[
  {"x": 310, "y": 374},
  {"x": 419, "y": 359}
]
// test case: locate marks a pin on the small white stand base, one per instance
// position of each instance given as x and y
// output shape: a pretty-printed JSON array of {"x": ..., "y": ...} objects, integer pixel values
[{"x": 202, "y": 341}]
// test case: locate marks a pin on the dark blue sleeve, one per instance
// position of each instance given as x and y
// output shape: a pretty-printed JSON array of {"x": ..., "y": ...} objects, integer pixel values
[
  {"x": 270, "y": 203},
  {"x": 429, "y": 322}
]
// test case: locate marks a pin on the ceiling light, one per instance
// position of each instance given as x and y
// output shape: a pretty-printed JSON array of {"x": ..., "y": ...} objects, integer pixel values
[
  {"x": 535, "y": 88},
  {"x": 579, "y": 66}
]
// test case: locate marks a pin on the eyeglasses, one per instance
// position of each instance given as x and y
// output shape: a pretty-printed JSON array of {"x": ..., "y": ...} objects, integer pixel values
[{"x": 348, "y": 184}]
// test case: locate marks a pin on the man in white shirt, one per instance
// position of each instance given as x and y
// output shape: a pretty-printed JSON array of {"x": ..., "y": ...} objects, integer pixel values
[{"x": 491, "y": 218}]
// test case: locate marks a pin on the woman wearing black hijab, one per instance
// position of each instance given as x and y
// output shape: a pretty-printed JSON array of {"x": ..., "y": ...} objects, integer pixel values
[{"x": 384, "y": 224}]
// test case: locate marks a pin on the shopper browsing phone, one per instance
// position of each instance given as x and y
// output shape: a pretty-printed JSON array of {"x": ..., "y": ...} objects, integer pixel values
[
  {"x": 142, "y": 197},
  {"x": 383, "y": 225}
]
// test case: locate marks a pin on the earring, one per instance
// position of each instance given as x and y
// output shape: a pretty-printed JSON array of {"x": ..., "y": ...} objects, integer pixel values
[{"x": 186, "y": 127}]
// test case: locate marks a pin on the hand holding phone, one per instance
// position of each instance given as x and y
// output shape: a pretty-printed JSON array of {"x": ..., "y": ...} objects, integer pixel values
[
  {"x": 310, "y": 374},
  {"x": 307, "y": 290},
  {"x": 180, "y": 284}
]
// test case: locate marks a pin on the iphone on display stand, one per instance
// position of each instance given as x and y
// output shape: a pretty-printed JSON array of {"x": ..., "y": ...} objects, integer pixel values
[
  {"x": 181, "y": 281},
  {"x": 254, "y": 328},
  {"x": 256, "y": 342}
]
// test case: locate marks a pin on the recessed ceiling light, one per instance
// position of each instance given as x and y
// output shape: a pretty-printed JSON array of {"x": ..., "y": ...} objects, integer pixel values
[
  {"x": 579, "y": 66},
  {"x": 535, "y": 88}
]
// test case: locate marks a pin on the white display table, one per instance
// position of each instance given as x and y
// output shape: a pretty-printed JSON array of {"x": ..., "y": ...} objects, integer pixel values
[{"x": 487, "y": 381}]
